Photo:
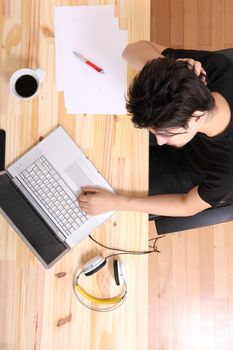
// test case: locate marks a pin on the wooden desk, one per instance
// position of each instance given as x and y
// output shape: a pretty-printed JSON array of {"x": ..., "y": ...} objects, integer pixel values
[{"x": 34, "y": 300}]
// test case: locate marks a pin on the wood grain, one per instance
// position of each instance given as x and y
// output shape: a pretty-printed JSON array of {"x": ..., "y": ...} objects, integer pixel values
[
  {"x": 38, "y": 309},
  {"x": 191, "y": 281}
]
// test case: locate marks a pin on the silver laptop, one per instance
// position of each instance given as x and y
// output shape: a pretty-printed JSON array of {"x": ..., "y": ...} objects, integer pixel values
[{"x": 49, "y": 177}]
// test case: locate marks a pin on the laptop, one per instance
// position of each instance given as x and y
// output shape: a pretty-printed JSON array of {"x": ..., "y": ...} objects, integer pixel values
[{"x": 38, "y": 196}]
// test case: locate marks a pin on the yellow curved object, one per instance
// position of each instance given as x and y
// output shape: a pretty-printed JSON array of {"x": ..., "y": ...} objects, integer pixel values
[{"x": 90, "y": 297}]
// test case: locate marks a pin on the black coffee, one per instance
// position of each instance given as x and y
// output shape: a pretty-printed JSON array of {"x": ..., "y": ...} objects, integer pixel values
[{"x": 26, "y": 86}]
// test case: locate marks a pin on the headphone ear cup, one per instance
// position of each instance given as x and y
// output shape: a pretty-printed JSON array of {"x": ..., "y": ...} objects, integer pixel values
[
  {"x": 94, "y": 265},
  {"x": 118, "y": 272}
]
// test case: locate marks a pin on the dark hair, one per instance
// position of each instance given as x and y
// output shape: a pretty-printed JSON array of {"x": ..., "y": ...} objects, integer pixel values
[{"x": 165, "y": 93}]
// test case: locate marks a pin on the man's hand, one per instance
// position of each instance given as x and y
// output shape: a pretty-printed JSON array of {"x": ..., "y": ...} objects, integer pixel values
[
  {"x": 94, "y": 201},
  {"x": 196, "y": 67}
]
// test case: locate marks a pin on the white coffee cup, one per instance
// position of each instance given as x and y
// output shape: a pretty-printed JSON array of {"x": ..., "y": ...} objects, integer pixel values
[{"x": 25, "y": 82}]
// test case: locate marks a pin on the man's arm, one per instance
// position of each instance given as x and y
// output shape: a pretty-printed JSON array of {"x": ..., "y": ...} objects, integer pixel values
[
  {"x": 96, "y": 201},
  {"x": 170, "y": 204},
  {"x": 137, "y": 54}
]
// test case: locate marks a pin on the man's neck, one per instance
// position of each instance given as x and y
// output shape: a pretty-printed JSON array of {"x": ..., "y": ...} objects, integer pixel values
[{"x": 218, "y": 119}]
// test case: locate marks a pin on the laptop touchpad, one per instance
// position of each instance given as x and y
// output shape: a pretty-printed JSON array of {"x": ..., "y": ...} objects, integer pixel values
[{"x": 78, "y": 175}]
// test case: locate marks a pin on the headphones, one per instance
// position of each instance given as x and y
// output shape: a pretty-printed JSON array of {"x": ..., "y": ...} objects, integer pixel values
[
  {"x": 96, "y": 264},
  {"x": 92, "y": 267}
]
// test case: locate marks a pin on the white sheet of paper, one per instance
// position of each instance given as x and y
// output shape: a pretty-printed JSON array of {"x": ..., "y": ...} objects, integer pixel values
[
  {"x": 87, "y": 91},
  {"x": 64, "y": 14}
]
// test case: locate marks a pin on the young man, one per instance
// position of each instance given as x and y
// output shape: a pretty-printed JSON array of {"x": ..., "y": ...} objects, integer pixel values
[{"x": 191, "y": 164}]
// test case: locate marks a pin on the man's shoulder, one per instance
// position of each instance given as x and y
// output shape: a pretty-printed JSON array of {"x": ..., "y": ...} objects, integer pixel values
[
  {"x": 203, "y": 56},
  {"x": 217, "y": 189}
]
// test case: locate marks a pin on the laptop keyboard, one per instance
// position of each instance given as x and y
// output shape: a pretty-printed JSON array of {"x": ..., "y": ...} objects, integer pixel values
[{"x": 53, "y": 195}]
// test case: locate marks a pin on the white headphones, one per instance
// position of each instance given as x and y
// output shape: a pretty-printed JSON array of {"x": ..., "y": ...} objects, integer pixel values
[
  {"x": 92, "y": 267},
  {"x": 96, "y": 264}
]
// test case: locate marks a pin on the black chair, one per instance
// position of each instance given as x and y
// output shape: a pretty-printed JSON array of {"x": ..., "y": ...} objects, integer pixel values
[{"x": 212, "y": 216}]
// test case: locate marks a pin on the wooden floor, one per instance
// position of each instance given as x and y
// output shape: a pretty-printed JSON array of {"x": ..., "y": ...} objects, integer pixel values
[{"x": 191, "y": 282}]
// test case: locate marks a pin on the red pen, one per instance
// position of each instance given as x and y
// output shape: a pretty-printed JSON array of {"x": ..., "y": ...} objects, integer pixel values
[{"x": 91, "y": 64}]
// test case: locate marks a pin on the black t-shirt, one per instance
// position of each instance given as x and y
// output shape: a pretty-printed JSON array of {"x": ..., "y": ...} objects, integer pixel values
[{"x": 212, "y": 157}]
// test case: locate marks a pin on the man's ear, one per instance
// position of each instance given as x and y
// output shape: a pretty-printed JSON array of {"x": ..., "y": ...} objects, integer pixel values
[
  {"x": 195, "y": 118},
  {"x": 197, "y": 115}
]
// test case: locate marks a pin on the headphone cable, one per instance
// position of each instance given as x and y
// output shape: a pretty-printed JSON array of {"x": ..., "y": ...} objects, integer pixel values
[{"x": 153, "y": 247}]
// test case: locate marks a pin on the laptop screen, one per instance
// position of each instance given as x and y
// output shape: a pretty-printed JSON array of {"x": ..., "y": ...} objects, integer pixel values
[
  {"x": 2, "y": 149},
  {"x": 29, "y": 224}
]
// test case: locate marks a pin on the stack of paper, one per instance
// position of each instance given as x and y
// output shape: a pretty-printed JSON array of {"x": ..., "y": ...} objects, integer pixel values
[{"x": 93, "y": 32}]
